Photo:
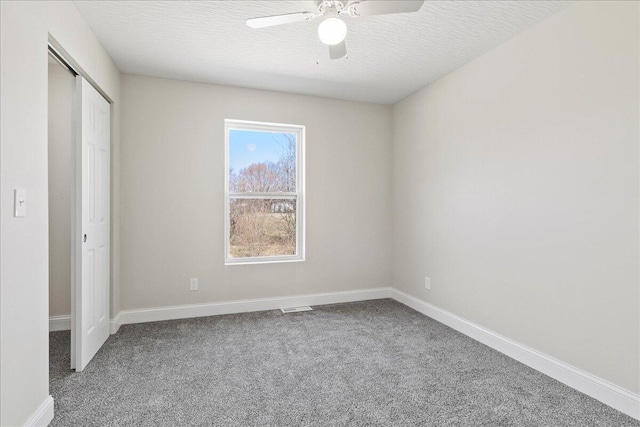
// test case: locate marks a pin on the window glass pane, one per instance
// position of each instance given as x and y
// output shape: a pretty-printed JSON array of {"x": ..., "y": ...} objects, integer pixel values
[
  {"x": 262, "y": 227},
  {"x": 262, "y": 161}
]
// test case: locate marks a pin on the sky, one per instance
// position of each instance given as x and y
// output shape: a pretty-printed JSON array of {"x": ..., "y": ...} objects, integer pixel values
[{"x": 248, "y": 147}]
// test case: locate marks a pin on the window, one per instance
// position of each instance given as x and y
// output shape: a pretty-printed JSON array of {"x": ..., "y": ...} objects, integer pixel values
[{"x": 264, "y": 190}]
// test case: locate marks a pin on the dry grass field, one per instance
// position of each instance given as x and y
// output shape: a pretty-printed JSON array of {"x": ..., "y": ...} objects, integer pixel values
[{"x": 258, "y": 231}]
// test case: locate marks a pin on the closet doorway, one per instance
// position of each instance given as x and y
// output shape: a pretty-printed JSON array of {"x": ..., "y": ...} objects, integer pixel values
[{"x": 79, "y": 209}]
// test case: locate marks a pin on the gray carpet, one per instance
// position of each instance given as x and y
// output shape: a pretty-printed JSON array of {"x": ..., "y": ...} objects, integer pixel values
[{"x": 374, "y": 363}]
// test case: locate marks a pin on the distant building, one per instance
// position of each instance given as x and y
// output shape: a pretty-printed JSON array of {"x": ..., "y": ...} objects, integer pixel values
[{"x": 282, "y": 206}]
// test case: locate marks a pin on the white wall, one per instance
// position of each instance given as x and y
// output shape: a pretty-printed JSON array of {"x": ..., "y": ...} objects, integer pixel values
[
  {"x": 61, "y": 136},
  {"x": 24, "y": 31},
  {"x": 516, "y": 189},
  {"x": 23, "y": 241},
  {"x": 173, "y": 193}
]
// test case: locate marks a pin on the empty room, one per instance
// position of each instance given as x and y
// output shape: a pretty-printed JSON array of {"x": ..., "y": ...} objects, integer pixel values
[{"x": 320, "y": 213}]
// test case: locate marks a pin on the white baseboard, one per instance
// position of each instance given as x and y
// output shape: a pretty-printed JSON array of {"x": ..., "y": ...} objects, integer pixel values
[
  {"x": 59, "y": 323},
  {"x": 115, "y": 323},
  {"x": 63, "y": 323},
  {"x": 602, "y": 390},
  {"x": 243, "y": 306},
  {"x": 43, "y": 415}
]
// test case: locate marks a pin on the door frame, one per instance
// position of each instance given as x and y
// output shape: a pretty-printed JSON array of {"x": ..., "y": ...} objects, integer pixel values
[{"x": 61, "y": 55}]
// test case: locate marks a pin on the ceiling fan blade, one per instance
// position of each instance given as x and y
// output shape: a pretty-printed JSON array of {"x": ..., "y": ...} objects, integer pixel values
[
  {"x": 381, "y": 7},
  {"x": 338, "y": 51},
  {"x": 270, "y": 21}
]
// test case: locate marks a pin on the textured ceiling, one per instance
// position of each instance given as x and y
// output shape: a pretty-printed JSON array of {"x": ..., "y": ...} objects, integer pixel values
[{"x": 390, "y": 56}]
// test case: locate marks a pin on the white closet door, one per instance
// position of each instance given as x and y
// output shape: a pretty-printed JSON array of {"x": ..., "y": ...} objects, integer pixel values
[{"x": 91, "y": 322}]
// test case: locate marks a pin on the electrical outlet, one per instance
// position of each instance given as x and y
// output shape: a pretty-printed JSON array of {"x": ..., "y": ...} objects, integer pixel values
[
  {"x": 427, "y": 282},
  {"x": 193, "y": 284}
]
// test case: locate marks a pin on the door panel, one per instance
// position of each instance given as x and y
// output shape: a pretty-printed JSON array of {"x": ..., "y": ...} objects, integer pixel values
[{"x": 91, "y": 309}]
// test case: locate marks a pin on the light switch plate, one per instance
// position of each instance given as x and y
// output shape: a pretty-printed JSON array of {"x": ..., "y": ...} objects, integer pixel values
[{"x": 19, "y": 203}]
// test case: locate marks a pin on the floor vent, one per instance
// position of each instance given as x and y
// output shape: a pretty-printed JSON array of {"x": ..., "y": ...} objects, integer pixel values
[{"x": 296, "y": 309}]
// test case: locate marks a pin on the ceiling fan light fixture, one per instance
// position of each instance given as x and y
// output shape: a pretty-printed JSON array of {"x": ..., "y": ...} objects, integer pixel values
[{"x": 332, "y": 31}]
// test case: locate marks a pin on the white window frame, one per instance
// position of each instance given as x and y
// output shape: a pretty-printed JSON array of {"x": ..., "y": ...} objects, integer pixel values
[{"x": 298, "y": 195}]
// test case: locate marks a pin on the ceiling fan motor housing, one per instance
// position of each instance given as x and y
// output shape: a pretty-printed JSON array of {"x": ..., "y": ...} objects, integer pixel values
[{"x": 330, "y": 7}]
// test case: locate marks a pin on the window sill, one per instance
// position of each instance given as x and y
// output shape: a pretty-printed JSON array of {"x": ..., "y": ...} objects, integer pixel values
[{"x": 263, "y": 261}]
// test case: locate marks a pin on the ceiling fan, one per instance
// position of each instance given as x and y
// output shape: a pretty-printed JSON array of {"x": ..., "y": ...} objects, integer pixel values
[{"x": 332, "y": 31}]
